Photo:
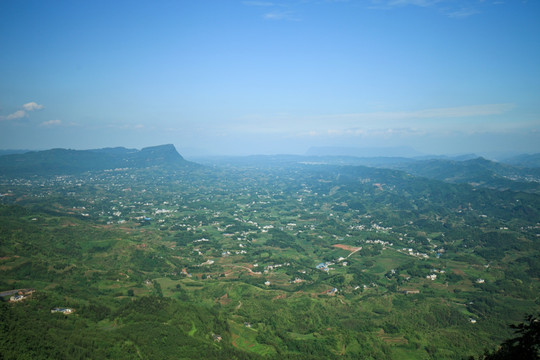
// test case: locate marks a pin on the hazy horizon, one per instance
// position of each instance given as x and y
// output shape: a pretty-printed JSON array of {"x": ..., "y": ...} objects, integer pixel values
[
  {"x": 265, "y": 77},
  {"x": 195, "y": 154}
]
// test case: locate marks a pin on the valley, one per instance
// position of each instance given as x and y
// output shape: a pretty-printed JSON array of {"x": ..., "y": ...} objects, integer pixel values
[{"x": 285, "y": 259}]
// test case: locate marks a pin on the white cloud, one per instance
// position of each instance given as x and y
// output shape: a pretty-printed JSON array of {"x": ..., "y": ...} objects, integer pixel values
[
  {"x": 16, "y": 115},
  {"x": 32, "y": 106},
  {"x": 19, "y": 114},
  {"x": 51, "y": 123}
]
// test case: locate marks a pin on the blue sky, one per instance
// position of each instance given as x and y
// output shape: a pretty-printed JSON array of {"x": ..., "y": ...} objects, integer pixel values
[{"x": 251, "y": 77}]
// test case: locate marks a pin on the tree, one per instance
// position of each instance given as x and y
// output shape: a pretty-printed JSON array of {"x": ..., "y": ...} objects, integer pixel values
[{"x": 526, "y": 346}]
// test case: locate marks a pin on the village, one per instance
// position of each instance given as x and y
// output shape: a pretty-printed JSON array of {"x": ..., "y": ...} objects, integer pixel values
[
  {"x": 213, "y": 233},
  {"x": 232, "y": 245}
]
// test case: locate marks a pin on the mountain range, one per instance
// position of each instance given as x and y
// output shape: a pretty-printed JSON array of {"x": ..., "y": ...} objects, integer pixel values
[
  {"x": 65, "y": 161},
  {"x": 477, "y": 171}
]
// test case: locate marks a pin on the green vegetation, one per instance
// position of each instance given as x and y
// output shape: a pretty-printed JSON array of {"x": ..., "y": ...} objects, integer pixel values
[
  {"x": 283, "y": 260},
  {"x": 525, "y": 346}
]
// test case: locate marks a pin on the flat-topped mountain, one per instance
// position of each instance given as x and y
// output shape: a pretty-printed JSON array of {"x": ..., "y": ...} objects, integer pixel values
[{"x": 65, "y": 161}]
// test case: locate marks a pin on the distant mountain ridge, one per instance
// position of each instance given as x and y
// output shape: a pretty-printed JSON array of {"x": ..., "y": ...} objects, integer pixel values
[
  {"x": 524, "y": 160},
  {"x": 11, "y": 151},
  {"x": 479, "y": 171},
  {"x": 476, "y": 171},
  {"x": 396, "y": 151},
  {"x": 65, "y": 161}
]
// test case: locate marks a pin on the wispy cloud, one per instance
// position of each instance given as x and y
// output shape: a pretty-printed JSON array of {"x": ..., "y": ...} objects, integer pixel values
[
  {"x": 423, "y": 3},
  {"x": 125, "y": 126},
  {"x": 462, "y": 13},
  {"x": 436, "y": 113},
  {"x": 21, "y": 113},
  {"x": 388, "y": 4},
  {"x": 274, "y": 11},
  {"x": 359, "y": 132},
  {"x": 51, "y": 123},
  {"x": 449, "y": 8},
  {"x": 382, "y": 123},
  {"x": 281, "y": 15},
  {"x": 258, "y": 3}
]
